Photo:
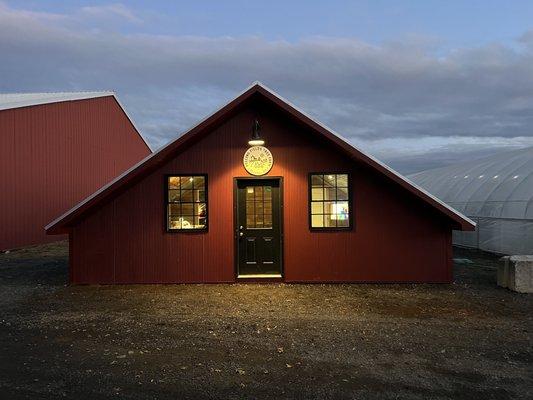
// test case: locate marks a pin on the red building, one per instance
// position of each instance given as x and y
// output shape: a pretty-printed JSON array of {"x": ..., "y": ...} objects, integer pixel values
[
  {"x": 299, "y": 205},
  {"x": 56, "y": 149}
]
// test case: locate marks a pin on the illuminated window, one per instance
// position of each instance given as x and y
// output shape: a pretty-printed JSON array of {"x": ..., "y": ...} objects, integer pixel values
[
  {"x": 329, "y": 204},
  {"x": 186, "y": 202},
  {"x": 259, "y": 207}
]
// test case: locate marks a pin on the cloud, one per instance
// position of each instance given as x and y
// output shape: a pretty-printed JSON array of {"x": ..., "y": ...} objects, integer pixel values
[
  {"x": 386, "y": 98},
  {"x": 110, "y": 11}
]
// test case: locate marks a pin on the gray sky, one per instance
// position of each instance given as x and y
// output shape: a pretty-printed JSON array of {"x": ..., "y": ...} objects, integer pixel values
[{"x": 416, "y": 96}]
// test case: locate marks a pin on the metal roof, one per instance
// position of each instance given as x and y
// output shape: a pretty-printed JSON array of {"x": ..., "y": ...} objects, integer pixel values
[
  {"x": 498, "y": 186},
  {"x": 18, "y": 100},
  {"x": 257, "y": 87}
]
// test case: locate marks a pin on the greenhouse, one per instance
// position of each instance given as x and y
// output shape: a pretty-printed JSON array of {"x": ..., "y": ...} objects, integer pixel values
[{"x": 496, "y": 192}]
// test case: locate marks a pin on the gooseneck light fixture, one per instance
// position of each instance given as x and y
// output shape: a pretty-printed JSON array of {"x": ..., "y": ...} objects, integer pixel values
[{"x": 256, "y": 139}]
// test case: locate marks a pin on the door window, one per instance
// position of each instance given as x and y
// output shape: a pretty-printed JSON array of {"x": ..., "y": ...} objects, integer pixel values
[{"x": 258, "y": 207}]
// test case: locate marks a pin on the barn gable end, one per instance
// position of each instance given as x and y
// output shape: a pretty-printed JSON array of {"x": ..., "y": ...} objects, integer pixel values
[
  {"x": 399, "y": 233},
  {"x": 54, "y": 151}
]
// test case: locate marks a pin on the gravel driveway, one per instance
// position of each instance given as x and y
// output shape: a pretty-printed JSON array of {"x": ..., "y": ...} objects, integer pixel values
[{"x": 468, "y": 340}]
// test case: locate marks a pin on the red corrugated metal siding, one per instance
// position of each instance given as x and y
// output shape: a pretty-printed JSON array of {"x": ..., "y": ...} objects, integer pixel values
[
  {"x": 396, "y": 236},
  {"x": 54, "y": 155}
]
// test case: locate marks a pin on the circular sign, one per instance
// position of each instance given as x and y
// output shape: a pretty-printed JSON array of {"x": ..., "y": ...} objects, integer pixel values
[{"x": 258, "y": 160}]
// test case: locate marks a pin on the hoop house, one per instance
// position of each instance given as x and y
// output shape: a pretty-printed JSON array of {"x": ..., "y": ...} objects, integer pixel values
[{"x": 496, "y": 192}]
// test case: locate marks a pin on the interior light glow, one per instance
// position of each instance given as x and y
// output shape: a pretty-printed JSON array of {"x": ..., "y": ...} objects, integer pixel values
[{"x": 339, "y": 211}]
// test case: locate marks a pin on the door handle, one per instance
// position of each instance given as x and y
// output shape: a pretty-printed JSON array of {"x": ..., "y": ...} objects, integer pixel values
[{"x": 241, "y": 234}]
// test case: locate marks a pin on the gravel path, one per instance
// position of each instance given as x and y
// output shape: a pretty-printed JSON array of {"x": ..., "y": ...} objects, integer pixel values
[{"x": 467, "y": 340}]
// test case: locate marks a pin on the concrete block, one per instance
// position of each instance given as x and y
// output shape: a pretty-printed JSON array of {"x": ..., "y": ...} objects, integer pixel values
[
  {"x": 516, "y": 273},
  {"x": 503, "y": 272}
]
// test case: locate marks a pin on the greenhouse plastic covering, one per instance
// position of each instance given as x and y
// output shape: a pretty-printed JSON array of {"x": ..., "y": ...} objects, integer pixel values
[{"x": 496, "y": 192}]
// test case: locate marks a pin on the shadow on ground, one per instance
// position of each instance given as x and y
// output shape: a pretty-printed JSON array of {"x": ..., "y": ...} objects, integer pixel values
[{"x": 463, "y": 341}]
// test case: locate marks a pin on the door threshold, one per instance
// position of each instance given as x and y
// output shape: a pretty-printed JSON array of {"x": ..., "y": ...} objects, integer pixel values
[{"x": 259, "y": 276}]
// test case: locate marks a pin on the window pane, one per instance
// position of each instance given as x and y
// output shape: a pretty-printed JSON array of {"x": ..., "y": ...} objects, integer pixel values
[
  {"x": 317, "y": 221},
  {"x": 187, "y": 222},
  {"x": 249, "y": 193},
  {"x": 174, "y": 223},
  {"x": 329, "y": 193},
  {"x": 317, "y": 180},
  {"x": 173, "y": 195},
  {"x": 200, "y": 195},
  {"x": 341, "y": 207},
  {"x": 186, "y": 182},
  {"x": 199, "y": 182},
  {"x": 317, "y": 194},
  {"x": 330, "y": 221},
  {"x": 259, "y": 192},
  {"x": 343, "y": 223},
  {"x": 268, "y": 207},
  {"x": 174, "y": 210},
  {"x": 329, "y": 180},
  {"x": 329, "y": 207},
  {"x": 342, "y": 180},
  {"x": 187, "y": 209},
  {"x": 173, "y": 182},
  {"x": 201, "y": 209},
  {"x": 268, "y": 221},
  {"x": 317, "y": 207},
  {"x": 259, "y": 207},
  {"x": 202, "y": 221},
  {"x": 259, "y": 220},
  {"x": 250, "y": 220},
  {"x": 250, "y": 207},
  {"x": 186, "y": 196},
  {"x": 199, "y": 222},
  {"x": 342, "y": 193}
]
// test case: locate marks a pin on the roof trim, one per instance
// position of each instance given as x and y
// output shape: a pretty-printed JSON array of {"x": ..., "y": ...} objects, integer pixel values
[
  {"x": 61, "y": 97},
  {"x": 61, "y": 224}
]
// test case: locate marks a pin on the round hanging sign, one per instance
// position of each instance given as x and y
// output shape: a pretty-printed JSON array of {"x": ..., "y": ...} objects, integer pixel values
[{"x": 258, "y": 160}]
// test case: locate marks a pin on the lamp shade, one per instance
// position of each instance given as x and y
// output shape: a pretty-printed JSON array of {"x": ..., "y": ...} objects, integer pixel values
[{"x": 256, "y": 139}]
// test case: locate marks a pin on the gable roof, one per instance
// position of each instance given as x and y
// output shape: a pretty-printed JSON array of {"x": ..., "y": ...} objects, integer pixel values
[
  {"x": 18, "y": 100},
  {"x": 61, "y": 224}
]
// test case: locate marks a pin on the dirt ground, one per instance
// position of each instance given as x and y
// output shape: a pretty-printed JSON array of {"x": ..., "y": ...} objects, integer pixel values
[{"x": 468, "y": 340}]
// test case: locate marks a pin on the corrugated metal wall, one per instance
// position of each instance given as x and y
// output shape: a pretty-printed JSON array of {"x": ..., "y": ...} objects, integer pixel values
[
  {"x": 54, "y": 155},
  {"x": 396, "y": 237}
]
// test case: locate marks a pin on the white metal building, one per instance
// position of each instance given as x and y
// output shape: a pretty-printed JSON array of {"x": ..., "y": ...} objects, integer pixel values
[{"x": 496, "y": 192}]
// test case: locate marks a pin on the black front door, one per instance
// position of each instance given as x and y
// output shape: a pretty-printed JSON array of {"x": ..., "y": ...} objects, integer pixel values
[{"x": 258, "y": 230}]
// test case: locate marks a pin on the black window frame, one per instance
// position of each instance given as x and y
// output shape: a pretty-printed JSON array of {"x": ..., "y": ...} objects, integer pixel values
[
  {"x": 168, "y": 202},
  {"x": 310, "y": 203}
]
